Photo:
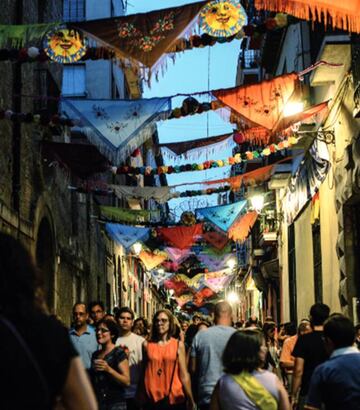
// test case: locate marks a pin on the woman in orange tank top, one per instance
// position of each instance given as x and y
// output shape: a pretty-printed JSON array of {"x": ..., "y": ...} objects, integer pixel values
[{"x": 167, "y": 381}]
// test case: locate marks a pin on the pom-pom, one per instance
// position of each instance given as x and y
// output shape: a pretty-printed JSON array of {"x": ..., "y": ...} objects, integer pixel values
[
  {"x": 271, "y": 24},
  {"x": 33, "y": 52},
  {"x": 238, "y": 137},
  {"x": 23, "y": 54},
  {"x": 281, "y": 20}
]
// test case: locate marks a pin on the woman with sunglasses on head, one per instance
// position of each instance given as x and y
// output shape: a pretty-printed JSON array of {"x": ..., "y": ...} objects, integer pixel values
[
  {"x": 167, "y": 381},
  {"x": 110, "y": 368}
]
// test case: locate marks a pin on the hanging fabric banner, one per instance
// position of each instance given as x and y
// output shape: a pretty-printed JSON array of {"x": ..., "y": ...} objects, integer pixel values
[
  {"x": 183, "y": 148},
  {"x": 126, "y": 235},
  {"x": 223, "y": 216},
  {"x": 152, "y": 259},
  {"x": 343, "y": 15},
  {"x": 216, "y": 239},
  {"x": 18, "y": 35},
  {"x": 241, "y": 229},
  {"x": 214, "y": 262},
  {"x": 195, "y": 284},
  {"x": 143, "y": 37},
  {"x": 202, "y": 296},
  {"x": 160, "y": 194},
  {"x": 117, "y": 127},
  {"x": 307, "y": 181},
  {"x": 209, "y": 250},
  {"x": 263, "y": 103},
  {"x": 181, "y": 237},
  {"x": 129, "y": 215},
  {"x": 218, "y": 281},
  {"x": 160, "y": 277},
  {"x": 177, "y": 255},
  {"x": 178, "y": 286},
  {"x": 184, "y": 299}
]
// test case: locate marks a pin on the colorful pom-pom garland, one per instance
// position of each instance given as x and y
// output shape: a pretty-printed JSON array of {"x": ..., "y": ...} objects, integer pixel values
[{"x": 237, "y": 159}]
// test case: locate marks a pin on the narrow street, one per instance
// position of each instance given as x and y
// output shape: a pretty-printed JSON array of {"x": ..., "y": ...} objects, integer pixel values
[{"x": 180, "y": 204}]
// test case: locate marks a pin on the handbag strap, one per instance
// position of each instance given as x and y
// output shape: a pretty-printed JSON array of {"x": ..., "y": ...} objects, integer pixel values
[
  {"x": 30, "y": 356},
  {"x": 173, "y": 372}
]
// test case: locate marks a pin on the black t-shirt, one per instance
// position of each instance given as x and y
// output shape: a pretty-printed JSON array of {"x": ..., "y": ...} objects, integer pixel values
[
  {"x": 49, "y": 343},
  {"x": 107, "y": 390},
  {"x": 310, "y": 347}
]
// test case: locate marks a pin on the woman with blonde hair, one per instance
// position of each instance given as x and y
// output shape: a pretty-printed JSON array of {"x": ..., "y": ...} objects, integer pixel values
[{"x": 167, "y": 381}]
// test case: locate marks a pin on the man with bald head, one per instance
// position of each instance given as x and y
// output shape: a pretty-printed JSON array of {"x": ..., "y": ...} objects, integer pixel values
[{"x": 206, "y": 353}]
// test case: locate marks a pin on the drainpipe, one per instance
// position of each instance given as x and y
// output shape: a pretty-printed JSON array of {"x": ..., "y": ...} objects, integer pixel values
[{"x": 16, "y": 126}]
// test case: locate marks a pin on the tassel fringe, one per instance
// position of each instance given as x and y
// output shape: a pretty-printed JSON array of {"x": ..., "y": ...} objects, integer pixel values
[{"x": 346, "y": 18}]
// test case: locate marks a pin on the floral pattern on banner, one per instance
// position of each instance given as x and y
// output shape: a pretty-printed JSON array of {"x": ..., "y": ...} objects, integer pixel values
[
  {"x": 262, "y": 104},
  {"x": 147, "y": 42},
  {"x": 143, "y": 38},
  {"x": 223, "y": 216}
]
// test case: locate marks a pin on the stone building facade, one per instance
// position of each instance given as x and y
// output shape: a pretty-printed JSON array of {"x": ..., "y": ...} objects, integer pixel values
[{"x": 36, "y": 205}]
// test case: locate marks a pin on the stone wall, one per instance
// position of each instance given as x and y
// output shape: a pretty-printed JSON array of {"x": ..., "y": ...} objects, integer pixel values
[{"x": 55, "y": 224}]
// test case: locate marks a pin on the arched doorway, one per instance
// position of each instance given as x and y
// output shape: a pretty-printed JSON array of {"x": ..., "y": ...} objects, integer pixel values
[{"x": 45, "y": 258}]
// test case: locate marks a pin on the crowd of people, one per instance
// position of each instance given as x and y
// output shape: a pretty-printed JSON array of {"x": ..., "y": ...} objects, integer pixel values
[{"x": 117, "y": 362}]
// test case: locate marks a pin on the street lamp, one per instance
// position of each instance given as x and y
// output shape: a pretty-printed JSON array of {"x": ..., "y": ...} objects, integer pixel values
[
  {"x": 293, "y": 108},
  {"x": 232, "y": 297},
  {"x": 257, "y": 202},
  {"x": 137, "y": 247},
  {"x": 231, "y": 263}
]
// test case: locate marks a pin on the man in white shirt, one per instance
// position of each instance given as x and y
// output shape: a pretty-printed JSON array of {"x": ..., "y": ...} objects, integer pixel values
[{"x": 132, "y": 345}]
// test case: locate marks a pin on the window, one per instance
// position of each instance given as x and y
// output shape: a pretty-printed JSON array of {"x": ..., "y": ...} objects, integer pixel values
[
  {"x": 74, "y": 83},
  {"x": 292, "y": 273},
  {"x": 74, "y": 10},
  {"x": 317, "y": 263}
]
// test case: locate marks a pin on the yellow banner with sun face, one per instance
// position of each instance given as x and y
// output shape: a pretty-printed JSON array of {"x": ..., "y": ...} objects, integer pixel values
[
  {"x": 65, "y": 46},
  {"x": 223, "y": 18}
]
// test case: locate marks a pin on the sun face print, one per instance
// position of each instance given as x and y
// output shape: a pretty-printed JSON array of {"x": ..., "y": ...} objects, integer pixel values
[
  {"x": 222, "y": 18},
  {"x": 65, "y": 46}
]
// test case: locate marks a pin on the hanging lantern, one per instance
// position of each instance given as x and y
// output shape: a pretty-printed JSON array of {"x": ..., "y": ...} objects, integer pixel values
[
  {"x": 222, "y": 18},
  {"x": 65, "y": 46}
]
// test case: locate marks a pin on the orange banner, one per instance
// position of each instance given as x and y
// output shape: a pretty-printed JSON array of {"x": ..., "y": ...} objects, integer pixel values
[{"x": 343, "y": 15}]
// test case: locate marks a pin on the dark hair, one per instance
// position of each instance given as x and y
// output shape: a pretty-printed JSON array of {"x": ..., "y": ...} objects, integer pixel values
[
  {"x": 80, "y": 303},
  {"x": 125, "y": 309},
  {"x": 145, "y": 324},
  {"x": 340, "y": 330},
  {"x": 172, "y": 327},
  {"x": 96, "y": 303},
  {"x": 242, "y": 351},
  {"x": 112, "y": 326},
  {"x": 253, "y": 320},
  {"x": 290, "y": 329},
  {"x": 357, "y": 327},
  {"x": 20, "y": 284},
  {"x": 190, "y": 334},
  {"x": 266, "y": 328},
  {"x": 319, "y": 312}
]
